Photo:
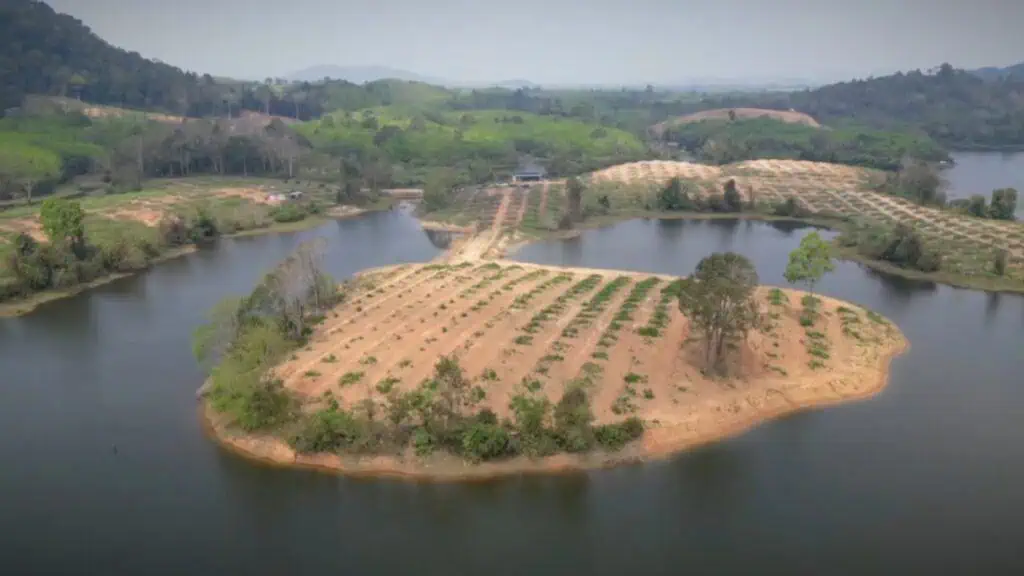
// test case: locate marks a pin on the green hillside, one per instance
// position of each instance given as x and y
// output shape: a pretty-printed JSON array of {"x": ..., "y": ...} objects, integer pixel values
[
  {"x": 425, "y": 138},
  {"x": 727, "y": 141}
]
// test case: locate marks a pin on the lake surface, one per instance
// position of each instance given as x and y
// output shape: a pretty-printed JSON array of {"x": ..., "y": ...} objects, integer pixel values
[
  {"x": 928, "y": 478},
  {"x": 983, "y": 172}
]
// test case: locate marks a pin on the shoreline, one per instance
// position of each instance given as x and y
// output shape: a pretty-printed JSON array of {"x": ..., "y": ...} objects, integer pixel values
[
  {"x": 20, "y": 307},
  {"x": 659, "y": 443},
  {"x": 993, "y": 285},
  {"x": 28, "y": 304}
]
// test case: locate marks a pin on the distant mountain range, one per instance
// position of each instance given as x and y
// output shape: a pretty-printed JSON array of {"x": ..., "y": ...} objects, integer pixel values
[
  {"x": 364, "y": 74},
  {"x": 996, "y": 73}
]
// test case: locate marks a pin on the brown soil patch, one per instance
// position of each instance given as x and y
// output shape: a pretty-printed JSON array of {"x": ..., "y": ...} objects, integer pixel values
[
  {"x": 489, "y": 242},
  {"x": 789, "y": 116},
  {"x": 445, "y": 227},
  {"x": 259, "y": 194},
  {"x": 148, "y": 216},
  {"x": 30, "y": 226},
  {"x": 510, "y": 323},
  {"x": 107, "y": 112}
]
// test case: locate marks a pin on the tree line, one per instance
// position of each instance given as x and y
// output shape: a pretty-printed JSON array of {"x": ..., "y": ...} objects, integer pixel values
[{"x": 728, "y": 141}]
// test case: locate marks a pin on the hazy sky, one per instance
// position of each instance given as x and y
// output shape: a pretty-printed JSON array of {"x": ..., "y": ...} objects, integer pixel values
[{"x": 565, "y": 41}]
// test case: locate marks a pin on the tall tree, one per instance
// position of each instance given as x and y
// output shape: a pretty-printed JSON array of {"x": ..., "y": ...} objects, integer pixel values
[
  {"x": 438, "y": 189},
  {"x": 25, "y": 167},
  {"x": 810, "y": 261},
  {"x": 719, "y": 301},
  {"x": 63, "y": 221},
  {"x": 731, "y": 196},
  {"x": 574, "y": 189},
  {"x": 1004, "y": 204}
]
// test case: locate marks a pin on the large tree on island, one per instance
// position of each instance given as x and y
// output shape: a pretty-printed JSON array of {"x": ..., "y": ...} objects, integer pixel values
[
  {"x": 719, "y": 301},
  {"x": 810, "y": 261}
]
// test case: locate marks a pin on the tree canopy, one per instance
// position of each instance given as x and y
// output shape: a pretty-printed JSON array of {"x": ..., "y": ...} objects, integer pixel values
[
  {"x": 22, "y": 167},
  {"x": 810, "y": 261},
  {"x": 719, "y": 300},
  {"x": 63, "y": 220}
]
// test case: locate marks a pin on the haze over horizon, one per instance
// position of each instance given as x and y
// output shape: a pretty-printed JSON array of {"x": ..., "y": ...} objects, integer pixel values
[{"x": 564, "y": 41}]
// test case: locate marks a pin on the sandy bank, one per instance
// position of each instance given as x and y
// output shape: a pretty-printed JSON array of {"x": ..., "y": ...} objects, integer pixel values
[
  {"x": 658, "y": 443},
  {"x": 409, "y": 315},
  {"x": 445, "y": 227}
]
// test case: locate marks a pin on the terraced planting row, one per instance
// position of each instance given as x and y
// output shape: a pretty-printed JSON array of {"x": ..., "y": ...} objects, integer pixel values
[
  {"x": 968, "y": 244},
  {"x": 524, "y": 329},
  {"x": 570, "y": 340}
]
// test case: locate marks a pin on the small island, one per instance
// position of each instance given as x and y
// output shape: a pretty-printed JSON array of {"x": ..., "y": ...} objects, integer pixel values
[{"x": 456, "y": 370}]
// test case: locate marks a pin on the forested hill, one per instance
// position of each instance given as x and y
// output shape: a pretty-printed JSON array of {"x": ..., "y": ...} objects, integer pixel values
[
  {"x": 955, "y": 107},
  {"x": 44, "y": 52},
  {"x": 997, "y": 73}
]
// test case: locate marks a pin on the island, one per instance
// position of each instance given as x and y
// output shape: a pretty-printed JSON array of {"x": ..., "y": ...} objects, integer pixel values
[{"x": 464, "y": 369}]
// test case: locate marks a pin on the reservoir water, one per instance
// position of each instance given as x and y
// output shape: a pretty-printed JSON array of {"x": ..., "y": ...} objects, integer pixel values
[
  {"x": 106, "y": 470},
  {"x": 983, "y": 172}
]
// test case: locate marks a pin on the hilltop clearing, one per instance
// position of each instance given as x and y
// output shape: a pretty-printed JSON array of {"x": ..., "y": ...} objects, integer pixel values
[{"x": 788, "y": 116}]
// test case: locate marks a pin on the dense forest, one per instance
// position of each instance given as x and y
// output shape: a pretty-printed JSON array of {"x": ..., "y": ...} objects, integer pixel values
[
  {"x": 957, "y": 108},
  {"x": 726, "y": 141}
]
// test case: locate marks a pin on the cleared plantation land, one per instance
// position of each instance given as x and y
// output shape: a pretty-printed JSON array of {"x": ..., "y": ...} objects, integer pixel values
[
  {"x": 525, "y": 329},
  {"x": 792, "y": 117},
  {"x": 235, "y": 204},
  {"x": 133, "y": 219},
  {"x": 496, "y": 215},
  {"x": 968, "y": 244}
]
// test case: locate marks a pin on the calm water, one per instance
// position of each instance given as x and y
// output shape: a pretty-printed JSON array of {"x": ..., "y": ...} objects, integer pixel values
[
  {"x": 983, "y": 172},
  {"x": 926, "y": 479}
]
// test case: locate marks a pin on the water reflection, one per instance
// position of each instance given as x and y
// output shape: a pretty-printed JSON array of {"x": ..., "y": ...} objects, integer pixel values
[
  {"x": 572, "y": 250},
  {"x": 441, "y": 239},
  {"x": 711, "y": 477},
  {"x": 787, "y": 227},
  {"x": 991, "y": 306}
]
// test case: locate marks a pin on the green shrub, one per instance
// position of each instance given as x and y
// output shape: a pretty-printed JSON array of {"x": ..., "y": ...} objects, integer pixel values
[
  {"x": 482, "y": 441},
  {"x": 288, "y": 212},
  {"x": 327, "y": 430},
  {"x": 613, "y": 437},
  {"x": 350, "y": 378},
  {"x": 422, "y": 442}
]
